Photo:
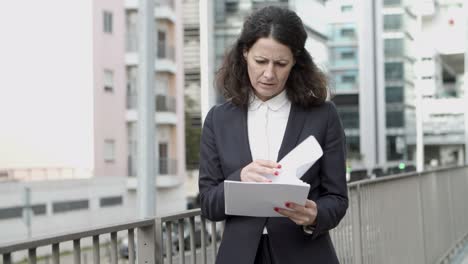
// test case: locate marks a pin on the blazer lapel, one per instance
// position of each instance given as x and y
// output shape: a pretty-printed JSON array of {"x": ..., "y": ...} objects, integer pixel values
[
  {"x": 246, "y": 155},
  {"x": 293, "y": 131}
]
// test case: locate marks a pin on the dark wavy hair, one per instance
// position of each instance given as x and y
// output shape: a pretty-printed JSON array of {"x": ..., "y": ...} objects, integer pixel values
[{"x": 306, "y": 85}]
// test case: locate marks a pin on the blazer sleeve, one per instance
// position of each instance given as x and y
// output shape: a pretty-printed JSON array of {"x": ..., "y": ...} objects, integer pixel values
[
  {"x": 211, "y": 176},
  {"x": 333, "y": 200}
]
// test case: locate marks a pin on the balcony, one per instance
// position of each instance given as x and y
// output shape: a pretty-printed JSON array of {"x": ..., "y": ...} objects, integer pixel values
[
  {"x": 166, "y": 166},
  {"x": 165, "y": 107},
  {"x": 164, "y": 61},
  {"x": 164, "y": 9}
]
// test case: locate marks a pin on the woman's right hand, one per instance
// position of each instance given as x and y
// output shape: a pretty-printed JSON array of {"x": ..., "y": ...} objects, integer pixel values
[{"x": 256, "y": 171}]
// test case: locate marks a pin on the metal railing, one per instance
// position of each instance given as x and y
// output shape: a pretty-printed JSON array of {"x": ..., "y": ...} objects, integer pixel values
[
  {"x": 144, "y": 248},
  {"x": 163, "y": 103},
  {"x": 408, "y": 218}
]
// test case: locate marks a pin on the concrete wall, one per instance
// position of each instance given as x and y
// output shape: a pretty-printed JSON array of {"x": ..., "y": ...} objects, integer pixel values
[{"x": 50, "y": 192}]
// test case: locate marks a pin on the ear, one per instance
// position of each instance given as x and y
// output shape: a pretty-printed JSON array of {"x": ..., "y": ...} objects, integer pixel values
[{"x": 245, "y": 54}]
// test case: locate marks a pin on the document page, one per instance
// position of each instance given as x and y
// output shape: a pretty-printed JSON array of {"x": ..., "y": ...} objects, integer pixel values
[{"x": 259, "y": 199}]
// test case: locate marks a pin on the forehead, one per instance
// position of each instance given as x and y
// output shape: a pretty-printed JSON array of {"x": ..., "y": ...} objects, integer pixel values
[{"x": 270, "y": 48}]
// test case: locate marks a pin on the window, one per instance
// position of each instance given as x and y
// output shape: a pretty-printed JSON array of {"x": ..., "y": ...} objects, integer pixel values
[
  {"x": 348, "y": 79},
  {"x": 107, "y": 19},
  {"x": 346, "y": 8},
  {"x": 348, "y": 55},
  {"x": 162, "y": 44},
  {"x": 231, "y": 7},
  {"x": 109, "y": 150},
  {"x": 394, "y": 94},
  {"x": 353, "y": 144},
  {"x": 17, "y": 211},
  {"x": 395, "y": 147},
  {"x": 110, "y": 201},
  {"x": 348, "y": 33},
  {"x": 349, "y": 116},
  {"x": 393, "y": 22},
  {"x": 394, "y": 119},
  {"x": 394, "y": 71},
  {"x": 393, "y": 47},
  {"x": 391, "y": 2},
  {"x": 108, "y": 81},
  {"x": 163, "y": 158},
  {"x": 60, "y": 207}
]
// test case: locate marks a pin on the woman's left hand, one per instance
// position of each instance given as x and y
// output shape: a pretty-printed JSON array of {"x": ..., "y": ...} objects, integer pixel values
[{"x": 300, "y": 214}]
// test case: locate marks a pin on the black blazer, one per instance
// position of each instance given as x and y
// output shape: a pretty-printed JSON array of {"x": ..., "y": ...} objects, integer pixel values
[{"x": 225, "y": 151}]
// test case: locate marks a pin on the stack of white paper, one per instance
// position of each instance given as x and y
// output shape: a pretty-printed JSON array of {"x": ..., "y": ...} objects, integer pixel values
[{"x": 259, "y": 199}]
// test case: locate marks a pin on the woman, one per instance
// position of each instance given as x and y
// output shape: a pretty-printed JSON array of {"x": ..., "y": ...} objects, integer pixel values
[{"x": 275, "y": 99}]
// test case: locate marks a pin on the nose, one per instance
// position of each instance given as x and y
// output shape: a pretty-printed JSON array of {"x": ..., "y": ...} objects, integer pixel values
[{"x": 269, "y": 72}]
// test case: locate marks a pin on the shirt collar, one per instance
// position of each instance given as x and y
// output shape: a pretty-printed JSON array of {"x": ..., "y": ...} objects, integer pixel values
[{"x": 274, "y": 103}]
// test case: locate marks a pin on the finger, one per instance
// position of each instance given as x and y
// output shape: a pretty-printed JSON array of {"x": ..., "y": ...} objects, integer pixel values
[
  {"x": 265, "y": 170},
  {"x": 296, "y": 218},
  {"x": 258, "y": 178},
  {"x": 310, "y": 204},
  {"x": 268, "y": 163},
  {"x": 296, "y": 207}
]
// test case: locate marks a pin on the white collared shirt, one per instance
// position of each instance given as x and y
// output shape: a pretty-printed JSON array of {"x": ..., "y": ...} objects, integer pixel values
[{"x": 266, "y": 123}]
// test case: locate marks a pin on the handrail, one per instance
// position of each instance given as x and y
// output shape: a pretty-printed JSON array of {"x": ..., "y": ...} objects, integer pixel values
[
  {"x": 64, "y": 237},
  {"x": 403, "y": 175},
  {"x": 453, "y": 251}
]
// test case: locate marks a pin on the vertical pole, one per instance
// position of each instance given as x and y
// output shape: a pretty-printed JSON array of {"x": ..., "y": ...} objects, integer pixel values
[
  {"x": 465, "y": 84},
  {"x": 419, "y": 103},
  {"x": 206, "y": 56},
  {"x": 27, "y": 210},
  {"x": 146, "y": 115},
  {"x": 356, "y": 225}
]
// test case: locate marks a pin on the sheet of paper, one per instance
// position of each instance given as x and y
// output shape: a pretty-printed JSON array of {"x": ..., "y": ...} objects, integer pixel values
[
  {"x": 259, "y": 199},
  {"x": 298, "y": 161}
]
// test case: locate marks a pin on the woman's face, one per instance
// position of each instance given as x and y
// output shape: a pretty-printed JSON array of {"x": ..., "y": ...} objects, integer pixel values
[{"x": 268, "y": 63}]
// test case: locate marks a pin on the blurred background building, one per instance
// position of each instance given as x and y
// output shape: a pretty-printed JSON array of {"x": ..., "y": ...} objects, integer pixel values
[{"x": 169, "y": 100}]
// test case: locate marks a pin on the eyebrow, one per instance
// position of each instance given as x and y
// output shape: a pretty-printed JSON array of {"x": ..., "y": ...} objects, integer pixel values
[{"x": 278, "y": 60}]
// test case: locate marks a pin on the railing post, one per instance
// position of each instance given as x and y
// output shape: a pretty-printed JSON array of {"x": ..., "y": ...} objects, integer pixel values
[
  {"x": 159, "y": 241},
  {"x": 421, "y": 212},
  {"x": 181, "y": 241},
  {"x": 7, "y": 258},
  {"x": 96, "y": 249},
  {"x": 356, "y": 227},
  {"x": 56, "y": 253},
  {"x": 203, "y": 239},
  {"x": 32, "y": 256},
  {"x": 131, "y": 246},
  {"x": 114, "y": 256},
  {"x": 146, "y": 245},
  {"x": 76, "y": 251}
]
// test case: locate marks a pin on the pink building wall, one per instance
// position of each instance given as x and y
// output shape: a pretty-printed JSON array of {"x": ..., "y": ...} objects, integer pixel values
[{"x": 109, "y": 107}]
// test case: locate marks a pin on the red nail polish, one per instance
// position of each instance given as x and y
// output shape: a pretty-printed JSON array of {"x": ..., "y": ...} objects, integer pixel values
[
  {"x": 276, "y": 173},
  {"x": 276, "y": 209},
  {"x": 287, "y": 204},
  {"x": 279, "y": 166}
]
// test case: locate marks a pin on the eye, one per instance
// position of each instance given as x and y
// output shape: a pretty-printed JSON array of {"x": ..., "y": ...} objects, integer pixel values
[
  {"x": 281, "y": 64},
  {"x": 260, "y": 61}
]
